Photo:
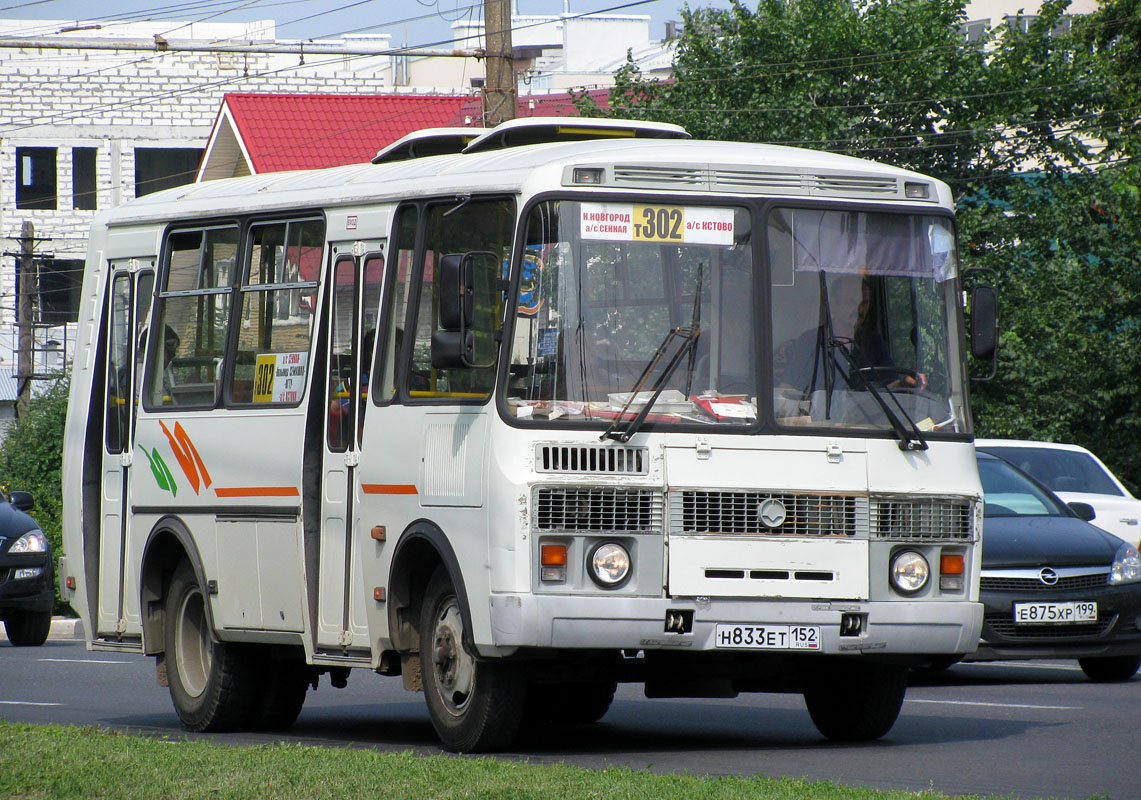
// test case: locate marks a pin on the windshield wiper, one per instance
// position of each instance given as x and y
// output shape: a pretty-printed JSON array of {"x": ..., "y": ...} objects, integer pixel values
[
  {"x": 908, "y": 439},
  {"x": 689, "y": 334}
]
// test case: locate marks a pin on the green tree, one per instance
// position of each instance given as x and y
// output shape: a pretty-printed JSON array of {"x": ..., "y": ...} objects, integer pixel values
[
  {"x": 31, "y": 457},
  {"x": 889, "y": 80}
]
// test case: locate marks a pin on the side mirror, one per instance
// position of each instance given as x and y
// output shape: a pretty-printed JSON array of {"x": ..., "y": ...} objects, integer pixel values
[
  {"x": 984, "y": 322},
  {"x": 1083, "y": 510},
  {"x": 453, "y": 345},
  {"x": 23, "y": 500},
  {"x": 457, "y": 291}
]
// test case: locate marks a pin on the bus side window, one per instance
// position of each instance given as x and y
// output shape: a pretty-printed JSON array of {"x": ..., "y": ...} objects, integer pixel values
[
  {"x": 275, "y": 324},
  {"x": 192, "y": 317},
  {"x": 396, "y": 304},
  {"x": 477, "y": 225}
]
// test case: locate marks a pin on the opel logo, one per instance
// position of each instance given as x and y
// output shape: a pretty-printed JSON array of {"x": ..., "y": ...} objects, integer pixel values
[
  {"x": 772, "y": 513},
  {"x": 1048, "y": 576}
]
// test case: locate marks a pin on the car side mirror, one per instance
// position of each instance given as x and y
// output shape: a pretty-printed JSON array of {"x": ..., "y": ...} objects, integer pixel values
[
  {"x": 23, "y": 500},
  {"x": 1083, "y": 510}
]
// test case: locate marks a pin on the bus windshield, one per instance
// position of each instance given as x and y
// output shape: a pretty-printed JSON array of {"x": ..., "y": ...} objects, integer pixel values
[{"x": 624, "y": 305}]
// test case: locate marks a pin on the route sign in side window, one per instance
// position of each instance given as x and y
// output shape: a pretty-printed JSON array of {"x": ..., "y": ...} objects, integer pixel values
[{"x": 278, "y": 298}]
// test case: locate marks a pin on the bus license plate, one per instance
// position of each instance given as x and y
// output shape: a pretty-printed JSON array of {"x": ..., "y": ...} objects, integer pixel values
[
  {"x": 1055, "y": 613},
  {"x": 769, "y": 637}
]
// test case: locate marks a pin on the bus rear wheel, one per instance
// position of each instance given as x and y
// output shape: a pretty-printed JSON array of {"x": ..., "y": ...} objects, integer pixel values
[
  {"x": 475, "y": 705},
  {"x": 279, "y": 700},
  {"x": 855, "y": 702},
  {"x": 211, "y": 682}
]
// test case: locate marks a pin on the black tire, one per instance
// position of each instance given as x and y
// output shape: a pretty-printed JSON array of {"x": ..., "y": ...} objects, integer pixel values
[
  {"x": 1110, "y": 669},
  {"x": 855, "y": 702},
  {"x": 211, "y": 682},
  {"x": 568, "y": 703},
  {"x": 475, "y": 705},
  {"x": 280, "y": 696},
  {"x": 28, "y": 628}
]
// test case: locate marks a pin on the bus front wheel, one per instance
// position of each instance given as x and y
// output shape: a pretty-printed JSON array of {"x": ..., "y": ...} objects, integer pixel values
[
  {"x": 475, "y": 705},
  {"x": 211, "y": 683},
  {"x": 855, "y": 702}
]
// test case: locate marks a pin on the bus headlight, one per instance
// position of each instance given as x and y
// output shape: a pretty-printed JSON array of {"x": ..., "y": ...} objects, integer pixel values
[
  {"x": 609, "y": 565},
  {"x": 909, "y": 571}
]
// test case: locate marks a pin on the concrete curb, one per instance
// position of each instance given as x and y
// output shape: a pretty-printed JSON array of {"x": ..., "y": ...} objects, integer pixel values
[{"x": 62, "y": 628}]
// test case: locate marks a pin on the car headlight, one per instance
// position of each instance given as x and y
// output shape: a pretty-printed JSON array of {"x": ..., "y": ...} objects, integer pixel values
[
  {"x": 1126, "y": 566},
  {"x": 609, "y": 565},
  {"x": 909, "y": 571},
  {"x": 30, "y": 542}
]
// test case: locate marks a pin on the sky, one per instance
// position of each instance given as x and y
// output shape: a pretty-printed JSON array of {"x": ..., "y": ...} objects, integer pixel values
[{"x": 412, "y": 22}]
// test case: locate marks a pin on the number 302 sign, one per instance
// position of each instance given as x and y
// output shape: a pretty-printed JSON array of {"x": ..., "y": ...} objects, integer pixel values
[{"x": 621, "y": 222}]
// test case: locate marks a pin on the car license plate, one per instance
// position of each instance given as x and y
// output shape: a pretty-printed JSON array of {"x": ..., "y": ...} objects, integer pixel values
[
  {"x": 769, "y": 637},
  {"x": 1055, "y": 613}
]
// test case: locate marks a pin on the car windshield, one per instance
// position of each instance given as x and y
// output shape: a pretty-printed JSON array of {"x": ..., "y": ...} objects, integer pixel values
[
  {"x": 1061, "y": 470},
  {"x": 1009, "y": 493}
]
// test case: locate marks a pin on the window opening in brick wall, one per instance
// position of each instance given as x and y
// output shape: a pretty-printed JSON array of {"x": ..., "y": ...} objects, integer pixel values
[
  {"x": 83, "y": 178},
  {"x": 35, "y": 178},
  {"x": 158, "y": 168},
  {"x": 59, "y": 283}
]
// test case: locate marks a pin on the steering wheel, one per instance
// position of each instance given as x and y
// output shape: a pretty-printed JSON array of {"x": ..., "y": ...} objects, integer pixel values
[{"x": 887, "y": 374}]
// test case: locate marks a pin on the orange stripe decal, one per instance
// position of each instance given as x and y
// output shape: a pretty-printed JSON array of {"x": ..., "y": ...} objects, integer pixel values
[
  {"x": 388, "y": 488},
  {"x": 258, "y": 491}
]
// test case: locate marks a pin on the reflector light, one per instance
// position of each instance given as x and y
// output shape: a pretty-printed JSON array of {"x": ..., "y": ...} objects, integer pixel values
[
  {"x": 951, "y": 563},
  {"x": 553, "y": 555}
]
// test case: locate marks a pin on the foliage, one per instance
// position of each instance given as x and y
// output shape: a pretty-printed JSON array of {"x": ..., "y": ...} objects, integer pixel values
[
  {"x": 31, "y": 457},
  {"x": 1069, "y": 273},
  {"x": 888, "y": 80}
]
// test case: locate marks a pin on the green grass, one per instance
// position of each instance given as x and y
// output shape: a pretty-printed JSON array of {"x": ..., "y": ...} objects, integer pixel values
[{"x": 89, "y": 763}]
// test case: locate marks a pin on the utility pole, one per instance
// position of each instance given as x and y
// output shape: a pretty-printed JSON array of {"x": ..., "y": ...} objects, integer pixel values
[
  {"x": 499, "y": 85},
  {"x": 24, "y": 281}
]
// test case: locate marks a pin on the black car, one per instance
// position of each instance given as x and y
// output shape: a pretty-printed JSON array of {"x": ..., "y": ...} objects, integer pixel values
[
  {"x": 1053, "y": 585},
  {"x": 26, "y": 589}
]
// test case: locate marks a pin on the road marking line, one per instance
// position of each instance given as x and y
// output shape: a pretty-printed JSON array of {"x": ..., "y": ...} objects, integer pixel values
[
  {"x": 26, "y": 703},
  {"x": 82, "y": 661},
  {"x": 1020, "y": 665},
  {"x": 994, "y": 705}
]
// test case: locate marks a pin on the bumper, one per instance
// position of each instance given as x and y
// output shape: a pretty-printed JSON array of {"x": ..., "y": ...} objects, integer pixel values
[
  {"x": 634, "y": 623},
  {"x": 26, "y": 594},
  {"x": 1116, "y": 633}
]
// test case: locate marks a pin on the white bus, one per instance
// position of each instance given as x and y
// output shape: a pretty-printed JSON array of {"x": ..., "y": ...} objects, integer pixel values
[{"x": 586, "y": 402}]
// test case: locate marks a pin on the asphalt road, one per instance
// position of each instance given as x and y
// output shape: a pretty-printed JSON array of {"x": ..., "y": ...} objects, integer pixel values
[{"x": 1026, "y": 729}]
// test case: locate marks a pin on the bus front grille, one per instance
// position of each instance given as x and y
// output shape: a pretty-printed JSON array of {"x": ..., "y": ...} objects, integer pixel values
[
  {"x": 595, "y": 509},
  {"x": 766, "y": 513},
  {"x": 925, "y": 519}
]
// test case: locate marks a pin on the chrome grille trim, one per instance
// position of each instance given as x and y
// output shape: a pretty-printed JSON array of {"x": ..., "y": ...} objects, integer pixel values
[
  {"x": 572, "y": 509},
  {"x": 935, "y": 519},
  {"x": 1028, "y": 580},
  {"x": 591, "y": 459},
  {"x": 698, "y": 511}
]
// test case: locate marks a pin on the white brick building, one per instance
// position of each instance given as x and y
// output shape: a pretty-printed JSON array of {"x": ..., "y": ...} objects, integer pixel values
[{"x": 83, "y": 130}]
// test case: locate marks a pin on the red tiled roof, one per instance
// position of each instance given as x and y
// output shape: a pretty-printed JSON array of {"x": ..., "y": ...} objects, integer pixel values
[{"x": 311, "y": 131}]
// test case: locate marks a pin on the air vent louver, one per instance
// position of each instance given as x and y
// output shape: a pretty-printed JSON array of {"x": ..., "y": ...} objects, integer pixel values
[{"x": 591, "y": 459}]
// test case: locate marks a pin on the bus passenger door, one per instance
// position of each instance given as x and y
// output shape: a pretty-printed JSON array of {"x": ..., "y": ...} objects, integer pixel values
[
  {"x": 128, "y": 310},
  {"x": 354, "y": 289}
]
